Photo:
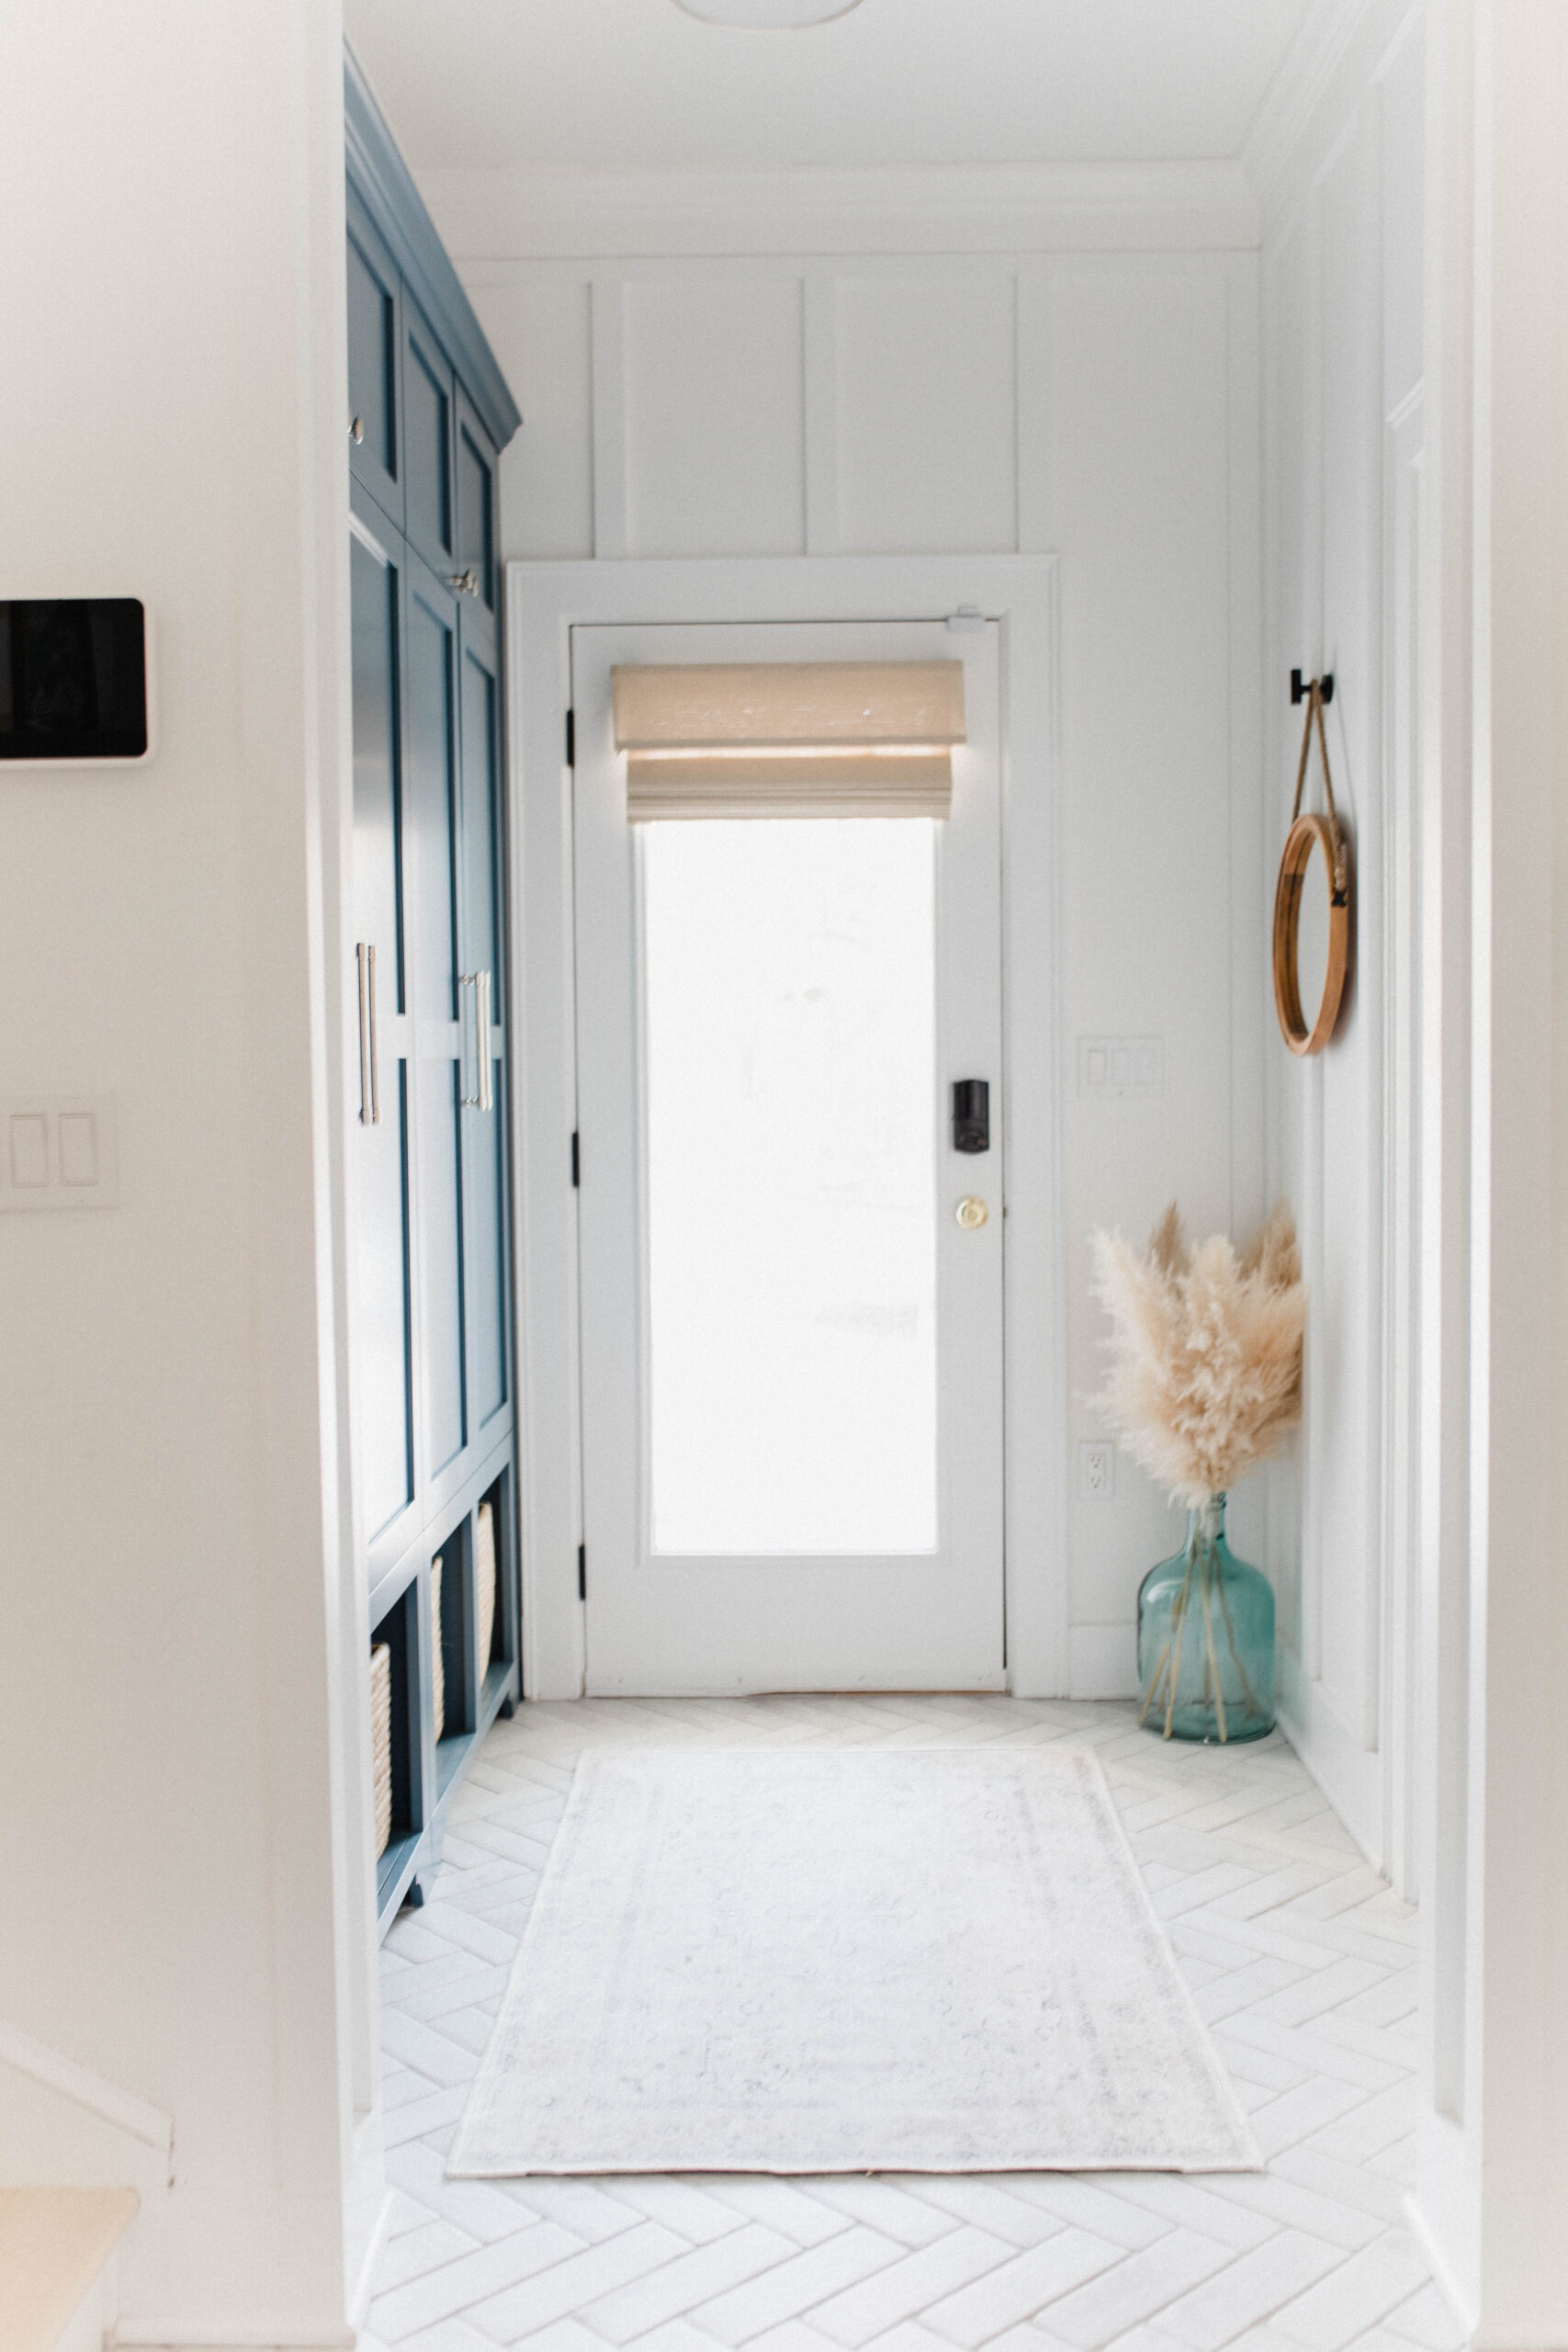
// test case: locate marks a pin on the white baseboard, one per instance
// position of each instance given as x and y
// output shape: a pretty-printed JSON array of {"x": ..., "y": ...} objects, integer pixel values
[
  {"x": 343, "y": 2341},
  {"x": 371, "y": 2260},
  {"x": 1349, "y": 1774},
  {"x": 1434, "y": 2245}
]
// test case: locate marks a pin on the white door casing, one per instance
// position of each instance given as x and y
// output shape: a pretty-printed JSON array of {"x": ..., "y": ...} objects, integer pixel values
[
  {"x": 751, "y": 1609},
  {"x": 545, "y": 603}
]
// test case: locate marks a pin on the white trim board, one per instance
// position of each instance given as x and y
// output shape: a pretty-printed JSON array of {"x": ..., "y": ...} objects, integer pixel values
[
  {"x": 1344, "y": 49},
  {"x": 121, "y": 2110},
  {"x": 64, "y": 2126},
  {"x": 1349, "y": 1773},
  {"x": 1298, "y": 89},
  {"x": 544, "y": 601},
  {"x": 952, "y": 209}
]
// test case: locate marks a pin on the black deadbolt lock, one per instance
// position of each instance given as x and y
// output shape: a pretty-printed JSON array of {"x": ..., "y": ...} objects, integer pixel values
[{"x": 971, "y": 1114}]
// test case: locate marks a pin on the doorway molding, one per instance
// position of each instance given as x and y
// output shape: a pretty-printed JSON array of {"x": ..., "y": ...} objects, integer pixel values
[{"x": 545, "y": 601}]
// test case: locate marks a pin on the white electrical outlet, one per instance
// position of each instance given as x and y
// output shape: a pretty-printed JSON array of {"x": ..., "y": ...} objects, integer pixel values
[{"x": 1097, "y": 1468}]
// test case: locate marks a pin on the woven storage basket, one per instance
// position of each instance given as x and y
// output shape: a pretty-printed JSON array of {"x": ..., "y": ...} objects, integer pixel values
[
  {"x": 438, "y": 1662},
  {"x": 484, "y": 1582},
  {"x": 381, "y": 1741}
]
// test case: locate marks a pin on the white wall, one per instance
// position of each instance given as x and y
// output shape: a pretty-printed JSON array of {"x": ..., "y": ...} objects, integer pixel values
[
  {"x": 1342, "y": 274},
  {"x": 1417, "y": 376},
  {"x": 171, "y": 415},
  {"x": 1098, "y": 403}
]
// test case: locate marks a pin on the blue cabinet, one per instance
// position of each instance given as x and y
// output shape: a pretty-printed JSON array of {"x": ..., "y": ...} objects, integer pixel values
[
  {"x": 429, "y": 1201},
  {"x": 375, "y": 358}
]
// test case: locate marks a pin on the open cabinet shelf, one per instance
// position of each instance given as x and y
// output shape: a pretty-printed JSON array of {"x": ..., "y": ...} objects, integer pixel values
[{"x": 427, "y": 1771}]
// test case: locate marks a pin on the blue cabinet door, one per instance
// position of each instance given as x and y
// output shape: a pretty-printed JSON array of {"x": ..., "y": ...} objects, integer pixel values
[
  {"x": 431, "y": 1330},
  {"x": 383, "y": 1307},
  {"x": 429, "y": 403},
  {"x": 430, "y": 849},
  {"x": 475, "y": 549},
  {"x": 375, "y": 364},
  {"x": 484, "y": 959}
]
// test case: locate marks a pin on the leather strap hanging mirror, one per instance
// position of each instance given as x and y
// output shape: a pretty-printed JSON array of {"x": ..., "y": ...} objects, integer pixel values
[{"x": 1312, "y": 905}]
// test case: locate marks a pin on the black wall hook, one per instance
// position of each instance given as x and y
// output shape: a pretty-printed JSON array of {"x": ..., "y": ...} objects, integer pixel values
[{"x": 1300, "y": 687}]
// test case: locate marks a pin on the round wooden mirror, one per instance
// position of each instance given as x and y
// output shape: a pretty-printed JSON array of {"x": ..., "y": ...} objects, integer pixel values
[{"x": 1312, "y": 934}]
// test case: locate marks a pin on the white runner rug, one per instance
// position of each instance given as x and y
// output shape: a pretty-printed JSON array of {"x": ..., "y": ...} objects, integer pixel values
[{"x": 910, "y": 1960}]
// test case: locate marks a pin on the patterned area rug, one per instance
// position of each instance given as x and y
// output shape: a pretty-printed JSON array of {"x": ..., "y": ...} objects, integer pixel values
[{"x": 846, "y": 1961}]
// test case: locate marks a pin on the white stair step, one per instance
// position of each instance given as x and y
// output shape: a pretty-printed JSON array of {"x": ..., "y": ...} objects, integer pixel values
[{"x": 55, "y": 2245}]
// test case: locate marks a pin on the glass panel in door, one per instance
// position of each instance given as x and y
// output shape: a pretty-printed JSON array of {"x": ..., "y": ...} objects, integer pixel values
[{"x": 789, "y": 1020}]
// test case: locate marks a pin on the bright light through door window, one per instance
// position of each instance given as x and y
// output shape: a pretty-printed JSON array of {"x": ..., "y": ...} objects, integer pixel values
[{"x": 789, "y": 994}]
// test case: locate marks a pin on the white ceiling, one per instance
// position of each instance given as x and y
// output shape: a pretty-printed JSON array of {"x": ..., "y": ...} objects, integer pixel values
[{"x": 637, "y": 86}]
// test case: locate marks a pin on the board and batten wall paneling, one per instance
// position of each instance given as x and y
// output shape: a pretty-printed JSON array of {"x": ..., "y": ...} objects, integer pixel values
[
  {"x": 1140, "y": 410},
  {"x": 926, "y": 405},
  {"x": 1329, "y": 1131},
  {"x": 1342, "y": 305},
  {"x": 1289, "y": 304},
  {"x": 1101, "y": 407},
  {"x": 712, "y": 416},
  {"x": 1347, "y": 1397}
]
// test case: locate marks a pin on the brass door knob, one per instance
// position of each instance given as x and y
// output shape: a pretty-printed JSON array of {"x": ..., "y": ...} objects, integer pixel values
[
  {"x": 972, "y": 1214},
  {"x": 357, "y": 430}
]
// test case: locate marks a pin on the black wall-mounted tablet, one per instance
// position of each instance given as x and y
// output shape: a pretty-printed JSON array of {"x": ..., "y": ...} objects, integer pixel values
[{"x": 73, "y": 679}]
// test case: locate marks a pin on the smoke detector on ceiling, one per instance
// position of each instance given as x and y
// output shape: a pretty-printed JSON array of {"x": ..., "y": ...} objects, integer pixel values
[{"x": 767, "y": 15}]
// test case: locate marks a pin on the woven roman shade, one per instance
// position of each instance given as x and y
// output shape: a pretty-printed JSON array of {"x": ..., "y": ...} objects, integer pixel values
[{"x": 788, "y": 738}]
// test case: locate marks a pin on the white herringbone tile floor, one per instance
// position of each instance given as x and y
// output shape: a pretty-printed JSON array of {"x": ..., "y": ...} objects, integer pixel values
[{"x": 1302, "y": 1961}]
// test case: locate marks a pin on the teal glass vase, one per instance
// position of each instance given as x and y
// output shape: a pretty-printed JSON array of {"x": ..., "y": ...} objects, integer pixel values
[{"x": 1206, "y": 1639}]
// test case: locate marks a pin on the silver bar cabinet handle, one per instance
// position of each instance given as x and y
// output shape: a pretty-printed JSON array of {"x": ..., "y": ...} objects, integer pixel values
[
  {"x": 375, "y": 1046},
  {"x": 468, "y": 980},
  {"x": 487, "y": 1080},
  {"x": 369, "y": 1104}
]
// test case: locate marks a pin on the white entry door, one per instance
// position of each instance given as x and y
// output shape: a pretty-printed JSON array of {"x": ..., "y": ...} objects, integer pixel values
[{"x": 791, "y": 1301}]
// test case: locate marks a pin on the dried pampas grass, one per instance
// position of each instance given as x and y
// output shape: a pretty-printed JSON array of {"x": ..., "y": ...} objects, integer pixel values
[{"x": 1205, "y": 1374}]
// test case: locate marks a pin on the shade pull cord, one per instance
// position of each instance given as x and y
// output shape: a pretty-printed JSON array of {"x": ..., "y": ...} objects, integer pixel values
[{"x": 1314, "y": 711}]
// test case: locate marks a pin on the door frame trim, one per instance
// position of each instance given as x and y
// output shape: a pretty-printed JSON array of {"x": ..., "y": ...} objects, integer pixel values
[{"x": 544, "y": 602}]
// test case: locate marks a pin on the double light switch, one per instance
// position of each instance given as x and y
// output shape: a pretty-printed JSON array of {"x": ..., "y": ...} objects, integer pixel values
[{"x": 57, "y": 1151}]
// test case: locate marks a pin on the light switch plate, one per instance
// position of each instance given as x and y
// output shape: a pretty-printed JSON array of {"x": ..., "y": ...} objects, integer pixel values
[
  {"x": 58, "y": 1151},
  {"x": 1110, "y": 1067}
]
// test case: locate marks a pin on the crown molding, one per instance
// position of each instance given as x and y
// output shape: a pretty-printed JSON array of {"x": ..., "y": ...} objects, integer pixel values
[
  {"x": 1298, "y": 90},
  {"x": 509, "y": 215}
]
